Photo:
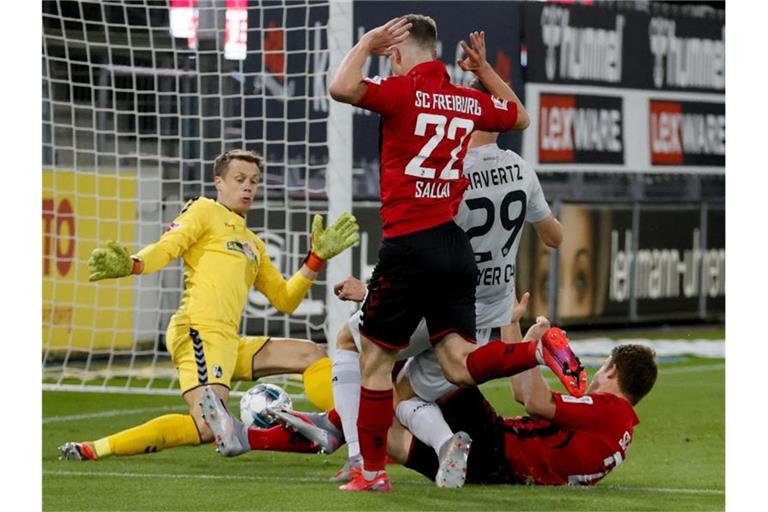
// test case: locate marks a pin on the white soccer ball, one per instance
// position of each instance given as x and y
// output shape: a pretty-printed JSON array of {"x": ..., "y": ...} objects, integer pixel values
[{"x": 254, "y": 402}]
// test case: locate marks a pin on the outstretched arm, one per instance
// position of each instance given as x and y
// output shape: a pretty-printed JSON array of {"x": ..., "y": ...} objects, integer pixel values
[
  {"x": 347, "y": 85},
  {"x": 476, "y": 62},
  {"x": 114, "y": 260}
]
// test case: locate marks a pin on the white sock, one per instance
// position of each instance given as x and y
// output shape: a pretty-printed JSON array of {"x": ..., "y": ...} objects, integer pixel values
[
  {"x": 346, "y": 395},
  {"x": 425, "y": 421}
]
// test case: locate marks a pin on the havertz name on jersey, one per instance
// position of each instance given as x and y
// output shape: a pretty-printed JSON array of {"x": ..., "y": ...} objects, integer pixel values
[{"x": 482, "y": 178}]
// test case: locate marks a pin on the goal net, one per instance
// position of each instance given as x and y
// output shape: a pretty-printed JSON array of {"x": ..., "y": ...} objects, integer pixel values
[{"x": 138, "y": 99}]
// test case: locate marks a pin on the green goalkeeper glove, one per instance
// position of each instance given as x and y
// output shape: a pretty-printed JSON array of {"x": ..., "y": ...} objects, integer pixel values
[
  {"x": 110, "y": 262},
  {"x": 341, "y": 235}
]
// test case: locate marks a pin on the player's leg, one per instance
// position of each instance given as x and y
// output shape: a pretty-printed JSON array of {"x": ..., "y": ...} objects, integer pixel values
[
  {"x": 346, "y": 394},
  {"x": 201, "y": 358},
  {"x": 275, "y": 356},
  {"x": 399, "y": 441},
  {"x": 391, "y": 312},
  {"x": 419, "y": 384},
  {"x": 465, "y": 364},
  {"x": 375, "y": 411},
  {"x": 466, "y": 410},
  {"x": 157, "y": 434},
  {"x": 255, "y": 357}
]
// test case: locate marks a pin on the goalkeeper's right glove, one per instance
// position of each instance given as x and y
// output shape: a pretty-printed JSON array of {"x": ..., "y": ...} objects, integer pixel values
[{"x": 110, "y": 262}]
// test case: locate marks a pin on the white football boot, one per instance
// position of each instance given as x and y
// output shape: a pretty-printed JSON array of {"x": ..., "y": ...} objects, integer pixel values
[
  {"x": 452, "y": 467},
  {"x": 230, "y": 434}
]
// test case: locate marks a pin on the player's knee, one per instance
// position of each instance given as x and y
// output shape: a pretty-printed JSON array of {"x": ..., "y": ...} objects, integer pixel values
[
  {"x": 459, "y": 377},
  {"x": 376, "y": 363},
  {"x": 454, "y": 366},
  {"x": 455, "y": 370}
]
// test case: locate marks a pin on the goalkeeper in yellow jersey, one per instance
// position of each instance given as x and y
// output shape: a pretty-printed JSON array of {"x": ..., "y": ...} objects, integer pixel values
[{"x": 223, "y": 259}]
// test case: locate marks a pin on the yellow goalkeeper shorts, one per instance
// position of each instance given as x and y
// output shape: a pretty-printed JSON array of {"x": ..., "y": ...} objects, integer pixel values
[{"x": 209, "y": 356}]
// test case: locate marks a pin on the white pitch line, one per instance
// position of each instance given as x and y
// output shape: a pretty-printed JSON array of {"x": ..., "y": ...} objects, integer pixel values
[
  {"x": 110, "y": 414},
  {"x": 490, "y": 385},
  {"x": 262, "y": 478},
  {"x": 692, "y": 369},
  {"x": 549, "y": 376},
  {"x": 718, "y": 492}
]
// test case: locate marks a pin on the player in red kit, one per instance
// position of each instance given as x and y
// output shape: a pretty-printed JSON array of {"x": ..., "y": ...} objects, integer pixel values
[
  {"x": 426, "y": 266},
  {"x": 565, "y": 440}
]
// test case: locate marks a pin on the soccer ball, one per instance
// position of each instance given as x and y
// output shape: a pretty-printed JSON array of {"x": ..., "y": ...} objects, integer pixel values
[{"x": 254, "y": 402}]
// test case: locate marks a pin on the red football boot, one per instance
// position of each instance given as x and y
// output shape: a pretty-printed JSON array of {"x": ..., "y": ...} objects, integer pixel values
[
  {"x": 557, "y": 354},
  {"x": 379, "y": 484}
]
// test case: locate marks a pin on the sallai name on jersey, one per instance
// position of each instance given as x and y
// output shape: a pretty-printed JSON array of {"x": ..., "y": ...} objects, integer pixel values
[
  {"x": 432, "y": 190},
  {"x": 483, "y": 178}
]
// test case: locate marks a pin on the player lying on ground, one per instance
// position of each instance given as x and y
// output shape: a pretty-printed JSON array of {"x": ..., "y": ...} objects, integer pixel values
[
  {"x": 223, "y": 260},
  {"x": 565, "y": 440},
  {"x": 504, "y": 192},
  {"x": 426, "y": 267}
]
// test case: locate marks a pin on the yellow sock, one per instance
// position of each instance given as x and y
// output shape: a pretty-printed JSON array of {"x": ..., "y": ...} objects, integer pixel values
[
  {"x": 158, "y": 434},
  {"x": 317, "y": 384}
]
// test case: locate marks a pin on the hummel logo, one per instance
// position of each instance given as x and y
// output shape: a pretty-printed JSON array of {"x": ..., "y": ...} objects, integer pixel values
[{"x": 230, "y": 225}]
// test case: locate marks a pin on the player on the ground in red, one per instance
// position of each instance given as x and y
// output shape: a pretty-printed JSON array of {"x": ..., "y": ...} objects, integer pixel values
[
  {"x": 426, "y": 265},
  {"x": 565, "y": 440}
]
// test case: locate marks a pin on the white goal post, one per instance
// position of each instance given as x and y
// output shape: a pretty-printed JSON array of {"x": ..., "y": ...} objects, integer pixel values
[{"x": 138, "y": 99}]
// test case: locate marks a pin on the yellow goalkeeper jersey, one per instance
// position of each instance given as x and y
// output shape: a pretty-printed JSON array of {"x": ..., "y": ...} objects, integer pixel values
[{"x": 223, "y": 259}]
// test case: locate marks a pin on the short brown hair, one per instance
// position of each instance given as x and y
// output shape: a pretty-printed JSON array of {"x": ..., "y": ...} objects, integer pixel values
[
  {"x": 636, "y": 365},
  {"x": 423, "y": 30},
  {"x": 221, "y": 163}
]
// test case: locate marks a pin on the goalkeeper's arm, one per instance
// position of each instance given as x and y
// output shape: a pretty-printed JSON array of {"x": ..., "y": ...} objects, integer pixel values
[
  {"x": 114, "y": 260},
  {"x": 286, "y": 295}
]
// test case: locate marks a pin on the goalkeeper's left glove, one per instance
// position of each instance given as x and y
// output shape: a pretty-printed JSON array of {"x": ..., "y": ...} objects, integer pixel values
[
  {"x": 327, "y": 243},
  {"x": 110, "y": 262}
]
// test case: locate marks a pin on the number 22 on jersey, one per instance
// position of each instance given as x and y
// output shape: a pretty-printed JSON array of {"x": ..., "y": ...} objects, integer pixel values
[{"x": 416, "y": 166}]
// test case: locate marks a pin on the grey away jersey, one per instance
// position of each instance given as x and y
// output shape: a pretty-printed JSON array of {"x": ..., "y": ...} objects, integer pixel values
[{"x": 503, "y": 193}]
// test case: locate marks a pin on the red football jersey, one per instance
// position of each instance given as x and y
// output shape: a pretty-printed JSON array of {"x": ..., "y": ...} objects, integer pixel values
[
  {"x": 586, "y": 439},
  {"x": 425, "y": 126}
]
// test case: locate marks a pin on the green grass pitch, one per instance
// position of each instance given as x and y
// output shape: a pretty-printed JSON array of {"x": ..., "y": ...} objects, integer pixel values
[{"x": 676, "y": 462}]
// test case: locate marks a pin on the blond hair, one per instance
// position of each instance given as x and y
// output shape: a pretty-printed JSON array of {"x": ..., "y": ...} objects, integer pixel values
[{"x": 221, "y": 164}]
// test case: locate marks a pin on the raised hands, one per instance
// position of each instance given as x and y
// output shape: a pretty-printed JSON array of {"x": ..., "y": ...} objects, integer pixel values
[
  {"x": 380, "y": 40},
  {"x": 475, "y": 59},
  {"x": 338, "y": 236}
]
